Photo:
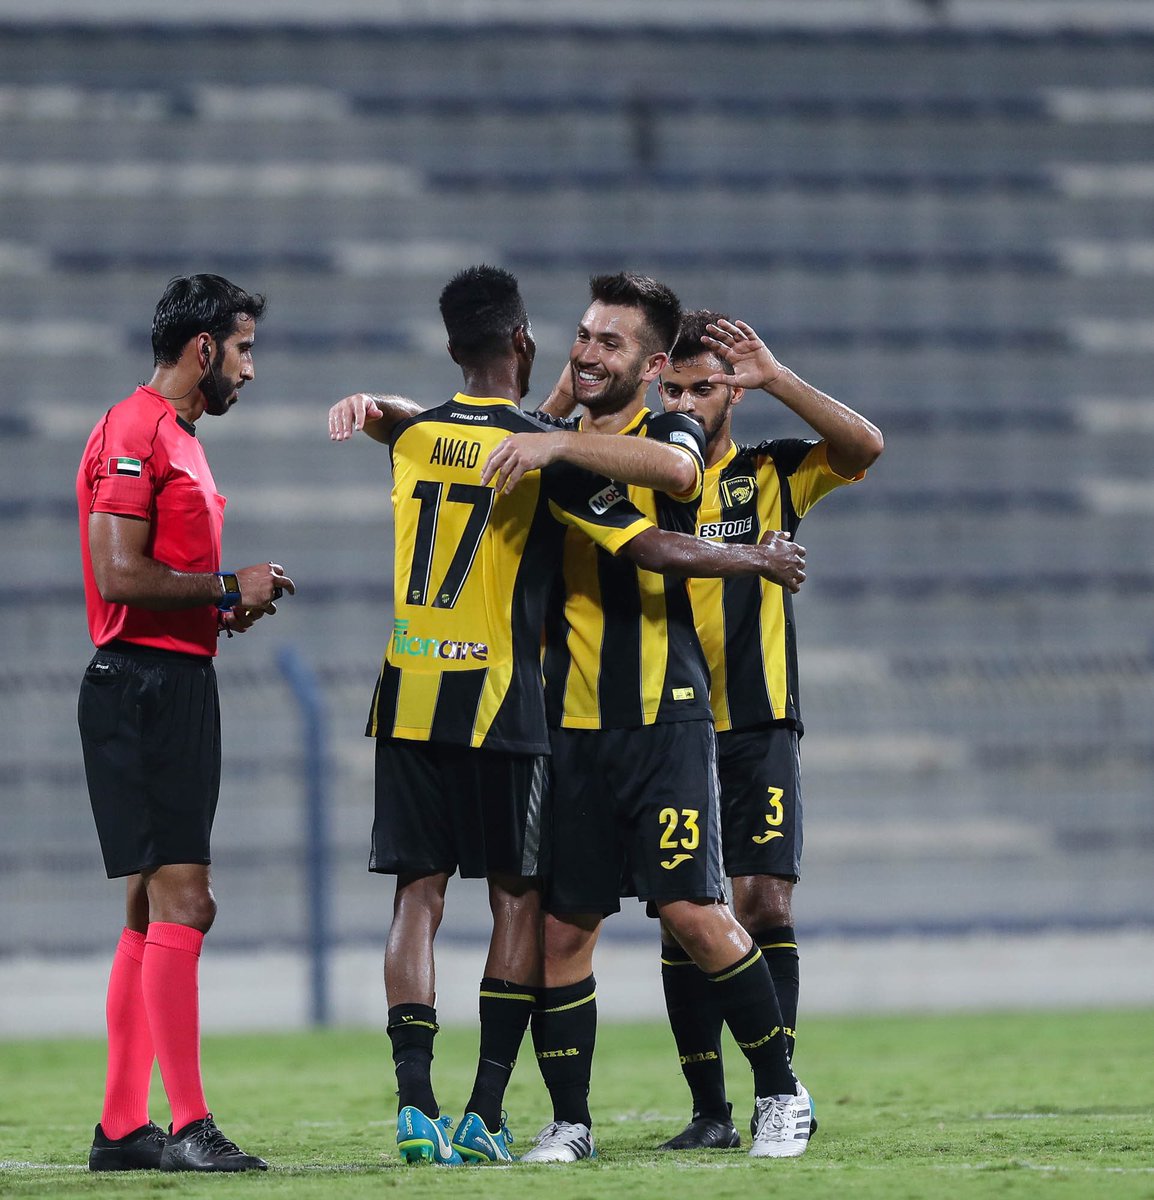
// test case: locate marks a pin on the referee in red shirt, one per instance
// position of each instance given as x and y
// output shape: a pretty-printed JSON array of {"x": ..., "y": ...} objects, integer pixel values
[{"x": 157, "y": 600}]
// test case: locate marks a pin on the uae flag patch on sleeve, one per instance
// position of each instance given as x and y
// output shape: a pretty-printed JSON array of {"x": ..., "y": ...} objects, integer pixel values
[{"x": 124, "y": 466}]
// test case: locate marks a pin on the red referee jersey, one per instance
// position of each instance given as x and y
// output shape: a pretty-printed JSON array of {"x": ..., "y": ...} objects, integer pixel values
[{"x": 142, "y": 460}]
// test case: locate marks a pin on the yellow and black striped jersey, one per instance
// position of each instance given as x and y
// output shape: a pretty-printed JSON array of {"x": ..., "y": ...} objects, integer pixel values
[
  {"x": 472, "y": 576},
  {"x": 620, "y": 646},
  {"x": 746, "y": 624}
]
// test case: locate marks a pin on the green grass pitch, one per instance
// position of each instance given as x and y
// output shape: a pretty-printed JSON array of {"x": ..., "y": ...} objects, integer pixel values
[{"x": 1012, "y": 1105}]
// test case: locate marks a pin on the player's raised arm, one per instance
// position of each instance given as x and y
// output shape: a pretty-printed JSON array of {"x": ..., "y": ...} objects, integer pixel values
[
  {"x": 373, "y": 414},
  {"x": 852, "y": 442}
]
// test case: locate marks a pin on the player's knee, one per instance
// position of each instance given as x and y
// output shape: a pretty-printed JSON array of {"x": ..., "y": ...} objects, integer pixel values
[
  {"x": 568, "y": 941},
  {"x": 200, "y": 911}
]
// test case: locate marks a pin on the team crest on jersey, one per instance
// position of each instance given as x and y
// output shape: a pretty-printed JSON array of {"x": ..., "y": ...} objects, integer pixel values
[{"x": 738, "y": 490}]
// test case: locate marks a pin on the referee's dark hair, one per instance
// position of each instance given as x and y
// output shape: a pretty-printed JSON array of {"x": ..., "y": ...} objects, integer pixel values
[
  {"x": 661, "y": 307},
  {"x": 194, "y": 304},
  {"x": 689, "y": 343},
  {"x": 481, "y": 307}
]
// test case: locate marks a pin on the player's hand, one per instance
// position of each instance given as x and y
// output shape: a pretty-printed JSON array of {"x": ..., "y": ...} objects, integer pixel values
[
  {"x": 518, "y": 454},
  {"x": 351, "y": 413},
  {"x": 560, "y": 402},
  {"x": 261, "y": 586},
  {"x": 753, "y": 363},
  {"x": 241, "y": 620},
  {"x": 784, "y": 560}
]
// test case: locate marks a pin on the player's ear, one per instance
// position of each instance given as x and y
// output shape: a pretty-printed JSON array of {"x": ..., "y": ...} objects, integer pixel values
[
  {"x": 738, "y": 392},
  {"x": 452, "y": 353},
  {"x": 654, "y": 365}
]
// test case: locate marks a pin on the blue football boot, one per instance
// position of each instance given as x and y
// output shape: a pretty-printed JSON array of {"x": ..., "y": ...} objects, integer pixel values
[
  {"x": 475, "y": 1143},
  {"x": 423, "y": 1139}
]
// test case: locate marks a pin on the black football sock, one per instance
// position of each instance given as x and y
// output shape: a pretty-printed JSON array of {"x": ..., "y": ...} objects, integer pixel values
[
  {"x": 564, "y": 1029},
  {"x": 779, "y": 945},
  {"x": 695, "y": 1021},
  {"x": 748, "y": 1005},
  {"x": 505, "y": 1008},
  {"x": 411, "y": 1029}
]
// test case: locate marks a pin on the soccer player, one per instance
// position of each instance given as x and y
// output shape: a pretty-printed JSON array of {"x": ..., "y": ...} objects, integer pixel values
[
  {"x": 748, "y": 633},
  {"x": 157, "y": 599},
  {"x": 634, "y": 758},
  {"x": 459, "y": 713}
]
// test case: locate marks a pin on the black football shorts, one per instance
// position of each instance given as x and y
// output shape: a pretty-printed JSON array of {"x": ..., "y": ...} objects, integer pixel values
[
  {"x": 444, "y": 808},
  {"x": 635, "y": 812},
  {"x": 760, "y": 772},
  {"x": 150, "y": 730}
]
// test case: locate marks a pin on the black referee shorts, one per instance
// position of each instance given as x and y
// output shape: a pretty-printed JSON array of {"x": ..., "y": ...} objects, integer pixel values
[
  {"x": 150, "y": 729},
  {"x": 444, "y": 808},
  {"x": 635, "y": 813}
]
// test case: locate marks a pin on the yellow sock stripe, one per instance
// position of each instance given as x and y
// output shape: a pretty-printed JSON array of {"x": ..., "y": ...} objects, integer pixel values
[
  {"x": 528, "y": 996},
  {"x": 677, "y": 962},
  {"x": 778, "y": 945},
  {"x": 416, "y": 1025},
  {"x": 574, "y": 1004},
  {"x": 741, "y": 966},
  {"x": 761, "y": 1041}
]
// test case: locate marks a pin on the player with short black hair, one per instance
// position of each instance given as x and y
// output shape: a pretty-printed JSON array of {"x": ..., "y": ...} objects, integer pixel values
[
  {"x": 150, "y": 530},
  {"x": 748, "y": 632},
  {"x": 458, "y": 713}
]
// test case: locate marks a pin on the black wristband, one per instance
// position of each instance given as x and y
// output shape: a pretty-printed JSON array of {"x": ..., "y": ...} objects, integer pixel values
[{"x": 230, "y": 587}]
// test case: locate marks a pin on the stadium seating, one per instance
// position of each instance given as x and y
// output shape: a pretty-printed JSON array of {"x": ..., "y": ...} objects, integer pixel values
[{"x": 945, "y": 227}]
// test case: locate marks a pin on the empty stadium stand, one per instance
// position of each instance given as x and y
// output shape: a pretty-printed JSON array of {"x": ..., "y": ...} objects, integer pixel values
[{"x": 946, "y": 225}]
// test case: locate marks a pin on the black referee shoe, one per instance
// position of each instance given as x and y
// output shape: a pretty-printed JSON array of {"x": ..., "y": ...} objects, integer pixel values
[
  {"x": 200, "y": 1146},
  {"x": 706, "y": 1133},
  {"x": 137, "y": 1151}
]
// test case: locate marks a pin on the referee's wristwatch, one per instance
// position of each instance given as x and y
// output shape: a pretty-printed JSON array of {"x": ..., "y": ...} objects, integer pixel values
[{"x": 230, "y": 591}]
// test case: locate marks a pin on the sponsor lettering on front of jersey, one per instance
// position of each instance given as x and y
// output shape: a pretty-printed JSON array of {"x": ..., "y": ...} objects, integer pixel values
[
  {"x": 415, "y": 646},
  {"x": 716, "y": 530},
  {"x": 602, "y": 501},
  {"x": 455, "y": 452},
  {"x": 739, "y": 490}
]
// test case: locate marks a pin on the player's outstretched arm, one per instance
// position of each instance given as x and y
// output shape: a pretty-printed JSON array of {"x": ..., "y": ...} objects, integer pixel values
[
  {"x": 852, "y": 442},
  {"x": 646, "y": 462},
  {"x": 375, "y": 415},
  {"x": 776, "y": 557}
]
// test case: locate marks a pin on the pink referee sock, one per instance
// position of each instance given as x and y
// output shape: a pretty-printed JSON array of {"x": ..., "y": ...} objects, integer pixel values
[
  {"x": 170, "y": 979},
  {"x": 130, "y": 1053}
]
